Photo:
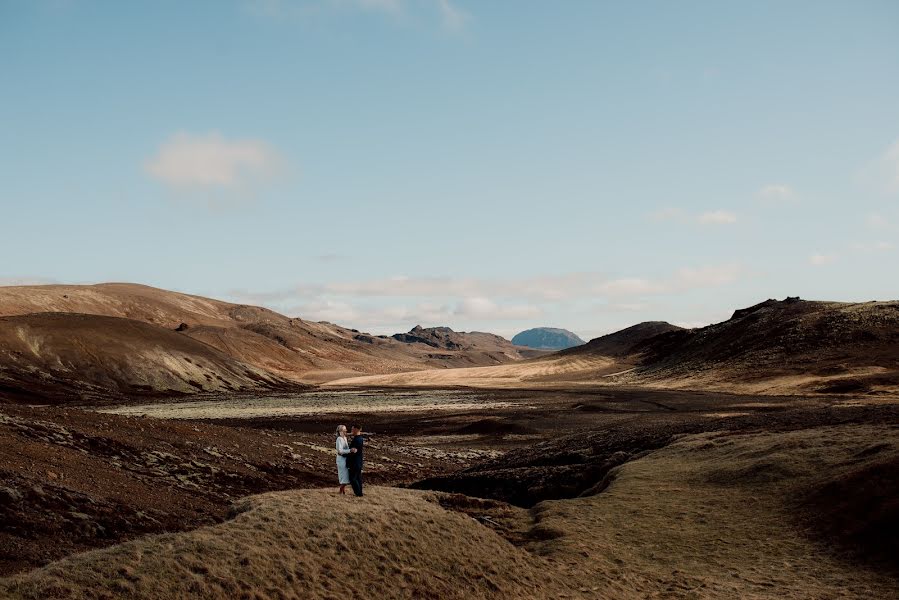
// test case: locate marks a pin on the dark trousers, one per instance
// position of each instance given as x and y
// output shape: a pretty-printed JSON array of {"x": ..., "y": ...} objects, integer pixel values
[{"x": 356, "y": 481}]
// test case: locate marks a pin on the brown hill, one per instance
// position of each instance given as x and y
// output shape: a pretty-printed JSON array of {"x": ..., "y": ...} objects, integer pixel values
[
  {"x": 774, "y": 346},
  {"x": 57, "y": 356},
  {"x": 280, "y": 350}
]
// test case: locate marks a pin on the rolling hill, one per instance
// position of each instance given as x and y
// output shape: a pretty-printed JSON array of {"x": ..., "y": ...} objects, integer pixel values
[{"x": 90, "y": 341}]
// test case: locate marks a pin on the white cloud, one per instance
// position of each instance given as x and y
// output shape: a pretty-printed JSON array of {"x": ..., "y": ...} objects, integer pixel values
[
  {"x": 452, "y": 17},
  {"x": 484, "y": 309},
  {"x": 683, "y": 280},
  {"x": 401, "y": 301},
  {"x": 188, "y": 161},
  {"x": 552, "y": 287},
  {"x": 713, "y": 217},
  {"x": 877, "y": 246},
  {"x": 877, "y": 221},
  {"x": 777, "y": 193},
  {"x": 327, "y": 310},
  {"x": 402, "y": 316},
  {"x": 821, "y": 259},
  {"x": 534, "y": 290},
  {"x": 717, "y": 217},
  {"x": 626, "y": 307},
  {"x": 710, "y": 276},
  {"x": 632, "y": 286}
]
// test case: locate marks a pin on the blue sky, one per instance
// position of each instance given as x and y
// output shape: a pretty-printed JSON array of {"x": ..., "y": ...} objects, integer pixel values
[{"x": 491, "y": 166}]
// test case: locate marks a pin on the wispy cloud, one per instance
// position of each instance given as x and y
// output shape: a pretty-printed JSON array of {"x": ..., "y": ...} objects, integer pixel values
[
  {"x": 486, "y": 309},
  {"x": 875, "y": 246},
  {"x": 189, "y": 162},
  {"x": 402, "y": 301},
  {"x": 709, "y": 276},
  {"x": 712, "y": 217},
  {"x": 446, "y": 12},
  {"x": 717, "y": 217},
  {"x": 451, "y": 16},
  {"x": 331, "y": 257},
  {"x": 883, "y": 172},
  {"x": 632, "y": 286},
  {"x": 399, "y": 317},
  {"x": 777, "y": 193},
  {"x": 539, "y": 288},
  {"x": 26, "y": 280},
  {"x": 682, "y": 280},
  {"x": 821, "y": 259},
  {"x": 879, "y": 222}
]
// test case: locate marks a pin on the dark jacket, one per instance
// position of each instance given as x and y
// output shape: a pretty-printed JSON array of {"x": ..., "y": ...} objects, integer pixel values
[{"x": 354, "y": 460}]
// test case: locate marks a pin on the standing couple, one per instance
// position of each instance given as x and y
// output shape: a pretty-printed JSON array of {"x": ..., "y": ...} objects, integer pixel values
[{"x": 349, "y": 459}]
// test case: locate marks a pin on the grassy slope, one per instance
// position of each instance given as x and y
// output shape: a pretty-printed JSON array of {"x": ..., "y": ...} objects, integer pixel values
[
  {"x": 712, "y": 515},
  {"x": 304, "y": 544}
]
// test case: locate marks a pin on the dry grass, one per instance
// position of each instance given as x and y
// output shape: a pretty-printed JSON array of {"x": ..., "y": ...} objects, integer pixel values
[
  {"x": 572, "y": 372},
  {"x": 545, "y": 372},
  {"x": 307, "y": 544},
  {"x": 714, "y": 515}
]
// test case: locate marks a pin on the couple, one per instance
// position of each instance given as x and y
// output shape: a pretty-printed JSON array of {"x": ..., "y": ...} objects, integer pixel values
[{"x": 349, "y": 459}]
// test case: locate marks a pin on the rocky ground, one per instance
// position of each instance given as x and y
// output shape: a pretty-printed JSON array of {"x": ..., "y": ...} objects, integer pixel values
[{"x": 74, "y": 479}]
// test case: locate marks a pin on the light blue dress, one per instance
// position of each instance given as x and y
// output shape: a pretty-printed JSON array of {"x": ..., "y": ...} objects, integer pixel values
[{"x": 343, "y": 448}]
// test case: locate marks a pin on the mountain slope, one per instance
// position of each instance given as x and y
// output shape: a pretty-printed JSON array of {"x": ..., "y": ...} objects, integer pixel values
[
  {"x": 784, "y": 345},
  {"x": 60, "y": 356},
  {"x": 280, "y": 349},
  {"x": 775, "y": 347},
  {"x": 622, "y": 343}
]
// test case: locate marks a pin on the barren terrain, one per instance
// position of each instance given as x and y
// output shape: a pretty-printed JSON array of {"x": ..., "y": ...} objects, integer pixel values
[
  {"x": 756, "y": 457},
  {"x": 673, "y": 502}
]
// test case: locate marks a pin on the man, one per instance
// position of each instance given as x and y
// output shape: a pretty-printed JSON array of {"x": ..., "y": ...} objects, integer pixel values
[{"x": 354, "y": 460}]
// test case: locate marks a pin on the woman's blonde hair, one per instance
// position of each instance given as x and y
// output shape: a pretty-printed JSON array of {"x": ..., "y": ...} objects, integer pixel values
[{"x": 339, "y": 427}]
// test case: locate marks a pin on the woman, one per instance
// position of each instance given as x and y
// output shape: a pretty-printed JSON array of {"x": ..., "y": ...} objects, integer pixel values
[{"x": 343, "y": 449}]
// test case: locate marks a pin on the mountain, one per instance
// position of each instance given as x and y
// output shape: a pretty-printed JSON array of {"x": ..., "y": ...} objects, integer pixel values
[
  {"x": 784, "y": 347},
  {"x": 547, "y": 338},
  {"x": 125, "y": 339},
  {"x": 444, "y": 338}
]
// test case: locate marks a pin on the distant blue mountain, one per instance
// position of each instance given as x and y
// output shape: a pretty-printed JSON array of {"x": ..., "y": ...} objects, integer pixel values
[{"x": 547, "y": 338}]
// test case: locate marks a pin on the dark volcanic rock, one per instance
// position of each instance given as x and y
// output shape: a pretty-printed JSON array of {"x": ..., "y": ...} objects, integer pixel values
[
  {"x": 547, "y": 338},
  {"x": 436, "y": 337},
  {"x": 583, "y": 464}
]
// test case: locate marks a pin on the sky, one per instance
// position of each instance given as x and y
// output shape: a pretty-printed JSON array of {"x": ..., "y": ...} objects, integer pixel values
[{"x": 488, "y": 166}]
